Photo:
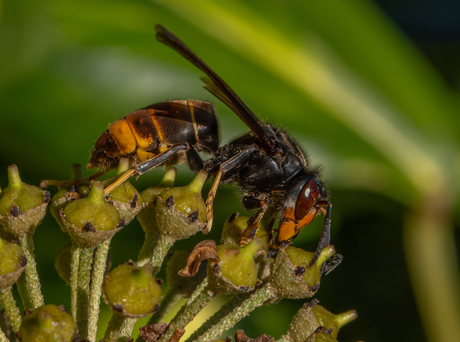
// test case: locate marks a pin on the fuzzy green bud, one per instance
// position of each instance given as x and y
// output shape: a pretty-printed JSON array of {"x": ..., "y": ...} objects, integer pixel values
[
  {"x": 48, "y": 323},
  {"x": 91, "y": 220},
  {"x": 62, "y": 263},
  {"x": 234, "y": 227},
  {"x": 322, "y": 337},
  {"x": 125, "y": 197},
  {"x": 68, "y": 194},
  {"x": 149, "y": 195},
  {"x": 328, "y": 320},
  {"x": 147, "y": 216},
  {"x": 301, "y": 258},
  {"x": 314, "y": 323},
  {"x": 19, "y": 194},
  {"x": 10, "y": 257},
  {"x": 180, "y": 212},
  {"x": 126, "y": 193},
  {"x": 92, "y": 210},
  {"x": 12, "y": 262},
  {"x": 237, "y": 263},
  {"x": 291, "y": 275},
  {"x": 188, "y": 199},
  {"x": 22, "y": 206},
  {"x": 132, "y": 291}
]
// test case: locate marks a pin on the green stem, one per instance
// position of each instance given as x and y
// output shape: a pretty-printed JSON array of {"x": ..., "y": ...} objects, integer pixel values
[
  {"x": 11, "y": 310},
  {"x": 259, "y": 297},
  {"x": 430, "y": 252},
  {"x": 197, "y": 301},
  {"x": 96, "y": 193},
  {"x": 284, "y": 338},
  {"x": 197, "y": 183},
  {"x": 29, "y": 282},
  {"x": 146, "y": 252},
  {"x": 74, "y": 261},
  {"x": 168, "y": 302},
  {"x": 84, "y": 272},
  {"x": 234, "y": 302},
  {"x": 160, "y": 251},
  {"x": 97, "y": 277},
  {"x": 3, "y": 337},
  {"x": 14, "y": 180},
  {"x": 114, "y": 328},
  {"x": 126, "y": 329}
]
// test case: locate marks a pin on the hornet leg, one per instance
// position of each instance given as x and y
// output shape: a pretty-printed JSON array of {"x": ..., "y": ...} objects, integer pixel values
[
  {"x": 253, "y": 222},
  {"x": 229, "y": 164},
  {"x": 325, "y": 234},
  {"x": 147, "y": 165}
]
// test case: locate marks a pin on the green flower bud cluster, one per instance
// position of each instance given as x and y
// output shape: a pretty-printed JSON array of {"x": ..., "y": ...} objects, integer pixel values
[{"x": 253, "y": 274}]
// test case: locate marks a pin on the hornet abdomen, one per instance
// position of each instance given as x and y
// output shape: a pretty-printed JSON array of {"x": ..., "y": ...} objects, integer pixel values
[{"x": 146, "y": 132}]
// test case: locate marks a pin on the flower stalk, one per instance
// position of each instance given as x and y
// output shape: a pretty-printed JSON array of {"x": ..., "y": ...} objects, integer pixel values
[
  {"x": 29, "y": 283},
  {"x": 260, "y": 296},
  {"x": 167, "y": 214},
  {"x": 3, "y": 337},
  {"x": 197, "y": 301},
  {"x": 11, "y": 310},
  {"x": 84, "y": 277},
  {"x": 97, "y": 277},
  {"x": 74, "y": 262}
]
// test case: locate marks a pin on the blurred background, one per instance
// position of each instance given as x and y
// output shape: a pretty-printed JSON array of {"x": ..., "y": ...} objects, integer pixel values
[{"x": 369, "y": 88}]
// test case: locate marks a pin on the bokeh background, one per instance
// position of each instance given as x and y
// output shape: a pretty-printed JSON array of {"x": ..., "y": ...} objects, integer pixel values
[{"x": 370, "y": 89}]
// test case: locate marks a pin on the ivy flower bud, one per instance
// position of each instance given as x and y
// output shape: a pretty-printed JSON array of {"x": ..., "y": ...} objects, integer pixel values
[
  {"x": 330, "y": 321},
  {"x": 314, "y": 323},
  {"x": 181, "y": 211},
  {"x": 22, "y": 206},
  {"x": 91, "y": 220},
  {"x": 48, "y": 323},
  {"x": 231, "y": 268},
  {"x": 291, "y": 274},
  {"x": 12, "y": 263},
  {"x": 321, "y": 335},
  {"x": 66, "y": 195},
  {"x": 235, "y": 225},
  {"x": 147, "y": 216},
  {"x": 62, "y": 263},
  {"x": 125, "y": 198},
  {"x": 132, "y": 291},
  {"x": 187, "y": 199},
  {"x": 236, "y": 266}
]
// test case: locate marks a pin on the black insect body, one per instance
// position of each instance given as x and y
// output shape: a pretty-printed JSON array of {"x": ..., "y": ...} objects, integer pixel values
[{"x": 266, "y": 163}]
